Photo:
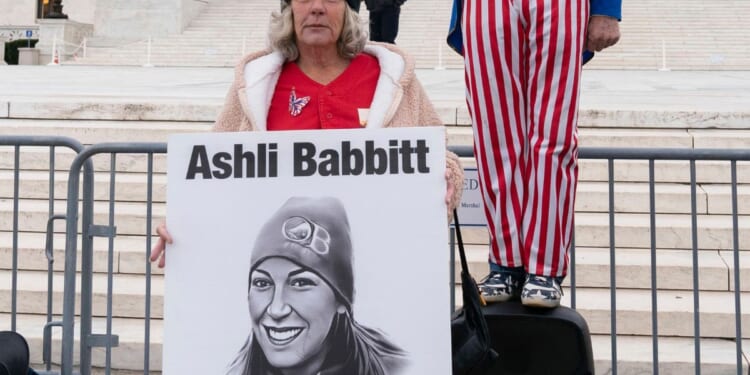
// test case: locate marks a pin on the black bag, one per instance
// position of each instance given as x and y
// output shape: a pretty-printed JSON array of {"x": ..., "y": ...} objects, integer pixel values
[
  {"x": 470, "y": 337},
  {"x": 14, "y": 355}
]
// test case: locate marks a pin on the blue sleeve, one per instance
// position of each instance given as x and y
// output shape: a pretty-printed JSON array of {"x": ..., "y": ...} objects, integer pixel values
[
  {"x": 586, "y": 57},
  {"x": 455, "y": 34},
  {"x": 612, "y": 8}
]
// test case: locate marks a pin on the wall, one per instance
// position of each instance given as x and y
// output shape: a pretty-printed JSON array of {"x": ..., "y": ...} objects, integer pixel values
[
  {"x": 79, "y": 10},
  {"x": 191, "y": 9},
  {"x": 116, "y": 20},
  {"x": 17, "y": 12},
  {"x": 138, "y": 19}
]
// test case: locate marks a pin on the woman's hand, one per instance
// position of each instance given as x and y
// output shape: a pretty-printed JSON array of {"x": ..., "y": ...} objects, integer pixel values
[
  {"x": 159, "y": 250},
  {"x": 450, "y": 188}
]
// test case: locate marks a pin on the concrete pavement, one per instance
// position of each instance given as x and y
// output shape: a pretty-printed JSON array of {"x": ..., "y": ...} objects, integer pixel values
[{"x": 682, "y": 91}]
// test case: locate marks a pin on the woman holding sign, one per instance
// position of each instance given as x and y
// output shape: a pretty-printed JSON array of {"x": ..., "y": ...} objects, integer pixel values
[
  {"x": 300, "y": 295},
  {"x": 320, "y": 73}
]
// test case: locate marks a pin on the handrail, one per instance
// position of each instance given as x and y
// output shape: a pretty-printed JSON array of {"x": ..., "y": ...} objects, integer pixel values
[{"x": 622, "y": 153}]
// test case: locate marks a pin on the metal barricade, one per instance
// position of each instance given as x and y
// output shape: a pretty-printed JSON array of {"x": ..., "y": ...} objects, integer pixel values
[
  {"x": 652, "y": 156},
  {"x": 53, "y": 143},
  {"x": 88, "y": 339},
  {"x": 90, "y": 230}
]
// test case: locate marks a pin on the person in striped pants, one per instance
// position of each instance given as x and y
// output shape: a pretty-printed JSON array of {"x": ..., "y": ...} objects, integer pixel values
[{"x": 523, "y": 63}]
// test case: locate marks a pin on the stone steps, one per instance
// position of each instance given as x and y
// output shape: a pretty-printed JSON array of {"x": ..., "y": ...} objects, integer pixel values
[
  {"x": 676, "y": 355},
  {"x": 717, "y": 172},
  {"x": 91, "y": 131},
  {"x": 153, "y": 109},
  {"x": 634, "y": 353},
  {"x": 674, "y": 267},
  {"x": 129, "y": 253},
  {"x": 452, "y": 112},
  {"x": 675, "y": 307},
  {"x": 669, "y": 198},
  {"x": 99, "y": 120},
  {"x": 675, "y": 312},
  {"x": 592, "y": 196},
  {"x": 128, "y": 356},
  {"x": 37, "y": 158},
  {"x": 632, "y": 229},
  {"x": 592, "y": 264},
  {"x": 130, "y": 187},
  {"x": 693, "y": 39},
  {"x": 633, "y": 268},
  {"x": 707, "y": 172},
  {"x": 130, "y": 218},
  {"x": 128, "y": 300}
]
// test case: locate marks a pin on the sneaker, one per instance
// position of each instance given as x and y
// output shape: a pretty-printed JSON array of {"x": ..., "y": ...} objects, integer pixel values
[
  {"x": 501, "y": 286},
  {"x": 541, "y": 291}
]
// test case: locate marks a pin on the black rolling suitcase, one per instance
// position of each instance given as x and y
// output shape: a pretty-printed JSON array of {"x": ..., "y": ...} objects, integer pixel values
[{"x": 528, "y": 341}]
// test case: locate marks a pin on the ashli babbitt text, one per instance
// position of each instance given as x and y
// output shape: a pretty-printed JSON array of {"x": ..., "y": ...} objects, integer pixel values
[{"x": 399, "y": 157}]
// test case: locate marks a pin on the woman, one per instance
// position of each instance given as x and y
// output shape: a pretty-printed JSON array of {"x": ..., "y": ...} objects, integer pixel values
[
  {"x": 321, "y": 73},
  {"x": 300, "y": 295}
]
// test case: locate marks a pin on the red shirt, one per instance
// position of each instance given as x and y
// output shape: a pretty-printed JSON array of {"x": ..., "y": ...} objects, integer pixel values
[{"x": 317, "y": 106}]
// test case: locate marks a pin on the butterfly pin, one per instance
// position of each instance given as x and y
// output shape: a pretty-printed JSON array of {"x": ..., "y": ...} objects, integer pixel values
[{"x": 296, "y": 104}]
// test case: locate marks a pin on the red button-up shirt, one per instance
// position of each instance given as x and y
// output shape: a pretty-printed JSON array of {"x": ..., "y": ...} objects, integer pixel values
[{"x": 300, "y": 103}]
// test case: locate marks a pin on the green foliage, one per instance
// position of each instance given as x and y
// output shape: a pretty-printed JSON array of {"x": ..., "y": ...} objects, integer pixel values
[{"x": 11, "y": 49}]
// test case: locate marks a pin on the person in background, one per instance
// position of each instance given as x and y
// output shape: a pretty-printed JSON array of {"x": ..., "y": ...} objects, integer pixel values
[
  {"x": 355, "y": 5},
  {"x": 320, "y": 73},
  {"x": 384, "y": 16},
  {"x": 523, "y": 63}
]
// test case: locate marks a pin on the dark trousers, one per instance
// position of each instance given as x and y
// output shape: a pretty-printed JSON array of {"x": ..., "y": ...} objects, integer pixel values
[{"x": 384, "y": 24}]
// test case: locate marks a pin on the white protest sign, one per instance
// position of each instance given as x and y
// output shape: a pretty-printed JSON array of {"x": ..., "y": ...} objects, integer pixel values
[{"x": 313, "y": 250}]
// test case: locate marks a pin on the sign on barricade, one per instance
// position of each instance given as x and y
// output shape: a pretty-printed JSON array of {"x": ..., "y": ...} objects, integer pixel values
[
  {"x": 322, "y": 251},
  {"x": 471, "y": 208}
]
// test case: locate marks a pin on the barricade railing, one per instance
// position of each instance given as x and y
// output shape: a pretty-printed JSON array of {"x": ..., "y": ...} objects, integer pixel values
[
  {"x": 652, "y": 155},
  {"x": 108, "y": 340},
  {"x": 53, "y": 143},
  {"x": 89, "y": 340}
]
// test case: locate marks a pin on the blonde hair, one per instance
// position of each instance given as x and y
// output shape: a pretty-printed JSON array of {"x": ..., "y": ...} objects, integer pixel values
[{"x": 282, "y": 38}]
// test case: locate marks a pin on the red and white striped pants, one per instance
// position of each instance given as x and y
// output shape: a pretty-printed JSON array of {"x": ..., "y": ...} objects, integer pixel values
[{"x": 523, "y": 68}]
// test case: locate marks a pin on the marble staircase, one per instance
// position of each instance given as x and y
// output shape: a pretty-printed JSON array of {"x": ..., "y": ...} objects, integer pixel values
[
  {"x": 618, "y": 109},
  {"x": 680, "y": 35},
  {"x": 674, "y": 262}
]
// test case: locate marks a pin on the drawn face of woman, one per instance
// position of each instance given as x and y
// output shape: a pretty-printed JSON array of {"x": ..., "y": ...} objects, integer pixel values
[
  {"x": 318, "y": 23},
  {"x": 292, "y": 310}
]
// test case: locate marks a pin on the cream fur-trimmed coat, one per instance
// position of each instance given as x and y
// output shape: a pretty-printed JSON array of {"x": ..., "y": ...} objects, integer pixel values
[{"x": 399, "y": 100}]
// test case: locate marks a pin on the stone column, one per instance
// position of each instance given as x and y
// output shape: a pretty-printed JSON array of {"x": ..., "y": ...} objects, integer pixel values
[{"x": 3, "y": 40}]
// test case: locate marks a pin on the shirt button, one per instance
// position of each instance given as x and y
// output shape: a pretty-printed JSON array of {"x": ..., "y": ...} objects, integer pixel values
[{"x": 329, "y": 116}]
